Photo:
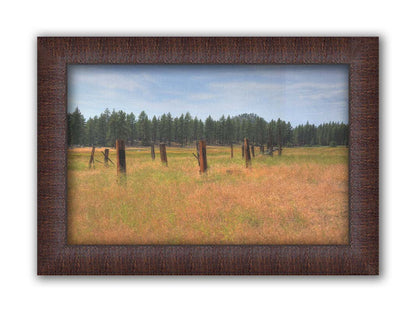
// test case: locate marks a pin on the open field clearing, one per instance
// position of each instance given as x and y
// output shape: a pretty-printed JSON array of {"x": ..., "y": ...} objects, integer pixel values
[{"x": 300, "y": 197}]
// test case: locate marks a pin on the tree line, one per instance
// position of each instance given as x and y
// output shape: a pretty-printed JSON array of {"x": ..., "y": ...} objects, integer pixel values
[{"x": 105, "y": 129}]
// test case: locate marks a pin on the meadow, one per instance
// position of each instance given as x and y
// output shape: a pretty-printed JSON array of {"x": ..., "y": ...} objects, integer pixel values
[{"x": 300, "y": 197}]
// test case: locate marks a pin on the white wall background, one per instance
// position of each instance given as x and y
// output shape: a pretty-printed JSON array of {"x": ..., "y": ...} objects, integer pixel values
[{"x": 22, "y": 290}]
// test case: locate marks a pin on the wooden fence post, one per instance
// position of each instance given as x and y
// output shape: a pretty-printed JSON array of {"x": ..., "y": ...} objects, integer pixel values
[
  {"x": 252, "y": 151},
  {"x": 121, "y": 160},
  {"x": 106, "y": 152},
  {"x": 232, "y": 152},
  {"x": 91, "y": 162},
  {"x": 152, "y": 151},
  {"x": 247, "y": 152},
  {"x": 163, "y": 156},
  {"x": 203, "y": 164}
]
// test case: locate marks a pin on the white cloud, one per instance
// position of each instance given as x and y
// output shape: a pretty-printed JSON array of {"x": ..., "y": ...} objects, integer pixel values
[
  {"x": 116, "y": 81},
  {"x": 253, "y": 86}
]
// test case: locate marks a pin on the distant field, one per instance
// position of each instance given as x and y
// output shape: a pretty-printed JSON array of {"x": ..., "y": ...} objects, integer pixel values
[{"x": 298, "y": 198}]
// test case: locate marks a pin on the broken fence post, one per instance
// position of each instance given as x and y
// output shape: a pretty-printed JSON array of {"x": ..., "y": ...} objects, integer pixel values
[
  {"x": 163, "y": 156},
  {"x": 203, "y": 164},
  {"x": 121, "y": 160},
  {"x": 152, "y": 151},
  {"x": 247, "y": 152},
  {"x": 106, "y": 152},
  {"x": 91, "y": 162}
]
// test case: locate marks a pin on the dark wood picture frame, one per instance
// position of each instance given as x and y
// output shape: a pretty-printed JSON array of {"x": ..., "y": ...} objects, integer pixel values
[{"x": 56, "y": 257}]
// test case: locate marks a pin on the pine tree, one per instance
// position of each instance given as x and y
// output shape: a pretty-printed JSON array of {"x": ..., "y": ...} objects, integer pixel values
[
  {"x": 90, "y": 131},
  {"x": 210, "y": 130},
  {"x": 112, "y": 133},
  {"x": 169, "y": 128},
  {"x": 77, "y": 127},
  {"x": 102, "y": 127},
  {"x": 200, "y": 133},
  {"x": 163, "y": 128},
  {"x": 144, "y": 128},
  {"x": 155, "y": 129},
  {"x": 131, "y": 123},
  {"x": 229, "y": 131},
  {"x": 187, "y": 128},
  {"x": 195, "y": 125},
  {"x": 220, "y": 133}
]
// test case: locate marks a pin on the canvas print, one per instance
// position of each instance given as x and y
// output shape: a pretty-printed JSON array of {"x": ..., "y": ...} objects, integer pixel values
[{"x": 207, "y": 154}]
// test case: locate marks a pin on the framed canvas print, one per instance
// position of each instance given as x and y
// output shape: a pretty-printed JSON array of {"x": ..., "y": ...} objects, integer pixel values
[{"x": 208, "y": 155}]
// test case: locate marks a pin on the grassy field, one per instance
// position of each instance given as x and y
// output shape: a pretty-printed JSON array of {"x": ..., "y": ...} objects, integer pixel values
[{"x": 298, "y": 198}]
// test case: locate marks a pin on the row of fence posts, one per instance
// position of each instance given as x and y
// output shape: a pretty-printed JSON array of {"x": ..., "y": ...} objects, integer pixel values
[{"x": 201, "y": 155}]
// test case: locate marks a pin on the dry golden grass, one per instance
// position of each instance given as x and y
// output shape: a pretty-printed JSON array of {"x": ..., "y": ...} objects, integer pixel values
[{"x": 298, "y": 198}]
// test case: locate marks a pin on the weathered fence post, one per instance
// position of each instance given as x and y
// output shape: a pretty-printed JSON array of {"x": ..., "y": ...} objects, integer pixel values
[
  {"x": 91, "y": 162},
  {"x": 203, "y": 164},
  {"x": 252, "y": 151},
  {"x": 106, "y": 152},
  {"x": 232, "y": 152},
  {"x": 163, "y": 156},
  {"x": 242, "y": 150},
  {"x": 247, "y": 152},
  {"x": 152, "y": 151},
  {"x": 121, "y": 160}
]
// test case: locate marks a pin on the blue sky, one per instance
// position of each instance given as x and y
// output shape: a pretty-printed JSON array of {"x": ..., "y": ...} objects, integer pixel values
[{"x": 295, "y": 93}]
